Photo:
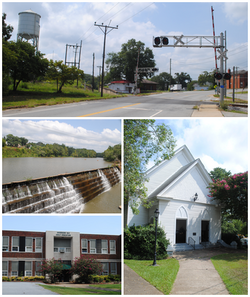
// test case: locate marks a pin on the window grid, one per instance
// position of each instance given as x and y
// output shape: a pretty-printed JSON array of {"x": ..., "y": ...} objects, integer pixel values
[
  {"x": 14, "y": 268},
  {"x": 92, "y": 246},
  {"x": 38, "y": 244},
  {"x": 28, "y": 244},
  {"x": 4, "y": 268},
  {"x": 5, "y": 247},
  {"x": 112, "y": 247},
  {"x": 84, "y": 242},
  {"x": 15, "y": 244}
]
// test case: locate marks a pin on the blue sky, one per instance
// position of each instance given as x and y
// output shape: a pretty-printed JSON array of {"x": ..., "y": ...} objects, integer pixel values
[
  {"x": 68, "y": 23},
  {"x": 217, "y": 143},
  {"x": 90, "y": 134},
  {"x": 88, "y": 224}
]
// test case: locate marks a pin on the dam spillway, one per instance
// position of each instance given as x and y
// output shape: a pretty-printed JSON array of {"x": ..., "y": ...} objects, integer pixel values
[{"x": 64, "y": 193}]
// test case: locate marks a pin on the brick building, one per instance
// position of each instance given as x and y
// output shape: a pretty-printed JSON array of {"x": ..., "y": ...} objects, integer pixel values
[
  {"x": 241, "y": 79},
  {"x": 23, "y": 251}
]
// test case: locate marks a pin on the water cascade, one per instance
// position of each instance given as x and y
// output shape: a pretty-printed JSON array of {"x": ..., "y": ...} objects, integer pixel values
[{"x": 58, "y": 194}]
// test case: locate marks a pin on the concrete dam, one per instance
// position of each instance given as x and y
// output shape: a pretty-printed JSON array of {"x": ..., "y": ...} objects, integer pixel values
[{"x": 64, "y": 193}]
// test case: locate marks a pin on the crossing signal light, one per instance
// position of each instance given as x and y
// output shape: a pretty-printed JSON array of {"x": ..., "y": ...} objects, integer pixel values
[
  {"x": 160, "y": 41},
  {"x": 218, "y": 76},
  {"x": 157, "y": 41},
  {"x": 227, "y": 76},
  {"x": 165, "y": 41}
]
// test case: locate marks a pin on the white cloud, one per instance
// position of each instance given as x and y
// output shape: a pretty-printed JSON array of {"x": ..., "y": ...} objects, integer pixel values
[
  {"x": 218, "y": 143},
  {"x": 48, "y": 131},
  {"x": 236, "y": 11}
]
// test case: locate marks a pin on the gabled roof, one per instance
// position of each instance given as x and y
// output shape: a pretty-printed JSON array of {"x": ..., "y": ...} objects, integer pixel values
[{"x": 174, "y": 177}]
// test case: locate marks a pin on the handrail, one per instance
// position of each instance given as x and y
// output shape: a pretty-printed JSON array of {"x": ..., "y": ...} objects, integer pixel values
[{"x": 191, "y": 242}]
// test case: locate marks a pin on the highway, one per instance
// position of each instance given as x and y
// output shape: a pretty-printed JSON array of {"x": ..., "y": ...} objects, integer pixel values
[{"x": 173, "y": 104}]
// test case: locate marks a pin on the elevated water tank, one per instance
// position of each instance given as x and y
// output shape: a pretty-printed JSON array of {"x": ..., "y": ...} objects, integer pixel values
[{"x": 29, "y": 26}]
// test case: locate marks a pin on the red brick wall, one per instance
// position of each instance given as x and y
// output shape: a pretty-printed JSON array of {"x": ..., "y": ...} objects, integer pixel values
[{"x": 24, "y": 254}]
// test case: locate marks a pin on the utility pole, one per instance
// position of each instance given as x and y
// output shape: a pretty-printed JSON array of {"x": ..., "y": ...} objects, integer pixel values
[
  {"x": 100, "y": 67},
  {"x": 136, "y": 73},
  {"x": 221, "y": 70},
  {"x": 170, "y": 76},
  {"x": 233, "y": 81},
  {"x": 93, "y": 78},
  {"x": 104, "y": 44}
]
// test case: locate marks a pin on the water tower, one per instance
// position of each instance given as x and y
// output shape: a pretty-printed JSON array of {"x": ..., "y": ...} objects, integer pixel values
[{"x": 29, "y": 27}]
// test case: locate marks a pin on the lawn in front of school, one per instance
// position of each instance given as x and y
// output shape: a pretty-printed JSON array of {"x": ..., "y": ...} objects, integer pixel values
[
  {"x": 162, "y": 276},
  {"x": 86, "y": 291},
  {"x": 232, "y": 268}
]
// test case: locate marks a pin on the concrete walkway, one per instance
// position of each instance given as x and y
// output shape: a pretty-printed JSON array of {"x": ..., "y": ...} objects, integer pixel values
[
  {"x": 211, "y": 110},
  {"x": 25, "y": 288},
  {"x": 136, "y": 285}
]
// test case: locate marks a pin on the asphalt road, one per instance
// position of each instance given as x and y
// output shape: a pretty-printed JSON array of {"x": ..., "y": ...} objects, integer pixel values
[
  {"x": 24, "y": 288},
  {"x": 174, "y": 104}
]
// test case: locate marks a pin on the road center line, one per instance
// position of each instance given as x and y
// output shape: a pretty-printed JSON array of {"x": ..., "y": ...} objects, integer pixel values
[{"x": 90, "y": 114}]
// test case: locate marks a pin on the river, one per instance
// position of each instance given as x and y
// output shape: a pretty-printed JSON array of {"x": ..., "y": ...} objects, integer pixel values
[{"x": 18, "y": 169}]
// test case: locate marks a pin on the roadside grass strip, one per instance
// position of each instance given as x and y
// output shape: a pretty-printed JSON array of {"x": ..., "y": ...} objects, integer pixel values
[
  {"x": 96, "y": 290},
  {"x": 162, "y": 277},
  {"x": 232, "y": 268}
]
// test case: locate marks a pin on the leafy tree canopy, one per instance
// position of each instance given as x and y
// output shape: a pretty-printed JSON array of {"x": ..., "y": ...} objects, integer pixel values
[
  {"x": 182, "y": 78},
  {"x": 232, "y": 193},
  {"x": 143, "y": 141},
  {"x": 206, "y": 77},
  {"x": 63, "y": 74},
  {"x": 219, "y": 173},
  {"x": 164, "y": 79},
  {"x": 23, "y": 63},
  {"x": 122, "y": 65},
  {"x": 6, "y": 29},
  {"x": 112, "y": 153}
]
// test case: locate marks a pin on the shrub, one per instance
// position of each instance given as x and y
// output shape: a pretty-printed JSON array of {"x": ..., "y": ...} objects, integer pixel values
[
  {"x": 5, "y": 279},
  {"x": 85, "y": 268},
  {"x": 139, "y": 242}
]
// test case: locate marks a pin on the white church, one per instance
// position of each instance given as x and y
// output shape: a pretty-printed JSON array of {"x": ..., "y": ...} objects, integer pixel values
[{"x": 178, "y": 189}]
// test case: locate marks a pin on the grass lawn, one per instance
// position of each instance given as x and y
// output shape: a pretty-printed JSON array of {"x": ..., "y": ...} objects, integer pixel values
[
  {"x": 232, "y": 268},
  {"x": 162, "y": 276},
  {"x": 42, "y": 93},
  {"x": 85, "y": 291}
]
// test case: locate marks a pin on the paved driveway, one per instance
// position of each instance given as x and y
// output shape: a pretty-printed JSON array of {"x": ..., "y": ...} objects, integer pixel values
[{"x": 24, "y": 288}]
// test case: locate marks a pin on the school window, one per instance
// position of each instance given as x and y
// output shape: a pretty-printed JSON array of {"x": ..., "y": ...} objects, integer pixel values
[
  {"x": 14, "y": 268},
  {"x": 5, "y": 247},
  {"x": 38, "y": 266},
  {"x": 113, "y": 268},
  {"x": 112, "y": 247},
  {"x": 28, "y": 244},
  {"x": 92, "y": 246},
  {"x": 84, "y": 245},
  {"x": 4, "y": 268},
  {"x": 38, "y": 243},
  {"x": 104, "y": 246},
  {"x": 62, "y": 245},
  {"x": 105, "y": 268},
  {"x": 15, "y": 243},
  {"x": 28, "y": 268}
]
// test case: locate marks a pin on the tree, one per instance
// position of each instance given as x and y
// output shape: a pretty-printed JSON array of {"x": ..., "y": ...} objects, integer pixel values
[
  {"x": 182, "y": 78},
  {"x": 63, "y": 74},
  {"x": 219, "y": 173},
  {"x": 190, "y": 86},
  {"x": 27, "y": 64},
  {"x": 6, "y": 30},
  {"x": 84, "y": 268},
  {"x": 139, "y": 242},
  {"x": 163, "y": 79},
  {"x": 232, "y": 194},
  {"x": 143, "y": 141},
  {"x": 53, "y": 268},
  {"x": 112, "y": 153},
  {"x": 205, "y": 78},
  {"x": 122, "y": 65}
]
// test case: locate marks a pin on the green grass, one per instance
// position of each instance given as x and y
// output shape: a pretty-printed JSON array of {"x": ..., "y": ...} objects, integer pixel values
[
  {"x": 162, "y": 276},
  {"x": 83, "y": 291},
  {"x": 45, "y": 93},
  {"x": 232, "y": 268}
]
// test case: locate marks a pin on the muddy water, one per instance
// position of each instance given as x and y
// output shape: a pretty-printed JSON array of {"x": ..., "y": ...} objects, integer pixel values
[{"x": 107, "y": 202}]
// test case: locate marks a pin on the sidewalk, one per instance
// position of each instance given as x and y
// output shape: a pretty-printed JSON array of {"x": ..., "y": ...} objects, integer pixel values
[
  {"x": 136, "y": 285},
  {"x": 211, "y": 110}
]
